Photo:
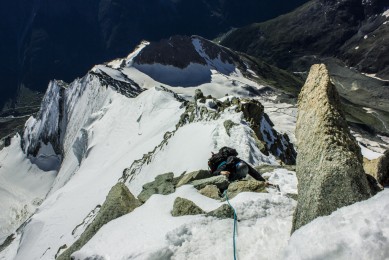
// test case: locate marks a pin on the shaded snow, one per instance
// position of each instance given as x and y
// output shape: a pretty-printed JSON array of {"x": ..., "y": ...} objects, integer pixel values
[
  {"x": 369, "y": 154},
  {"x": 23, "y": 186}
]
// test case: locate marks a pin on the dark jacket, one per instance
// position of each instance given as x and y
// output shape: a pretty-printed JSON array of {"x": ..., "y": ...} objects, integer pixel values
[{"x": 230, "y": 165}]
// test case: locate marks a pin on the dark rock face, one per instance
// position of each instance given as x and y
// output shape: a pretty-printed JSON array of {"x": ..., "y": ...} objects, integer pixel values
[
  {"x": 187, "y": 61},
  {"x": 353, "y": 31},
  {"x": 119, "y": 201},
  {"x": 329, "y": 165},
  {"x": 43, "y": 40},
  {"x": 286, "y": 40},
  {"x": 177, "y": 51}
]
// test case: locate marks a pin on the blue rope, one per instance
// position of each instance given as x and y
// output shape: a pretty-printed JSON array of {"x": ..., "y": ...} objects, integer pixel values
[{"x": 235, "y": 222}]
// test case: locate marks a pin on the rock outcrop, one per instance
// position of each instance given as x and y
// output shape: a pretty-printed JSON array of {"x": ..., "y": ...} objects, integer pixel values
[
  {"x": 192, "y": 176},
  {"x": 329, "y": 163},
  {"x": 378, "y": 168},
  {"x": 119, "y": 201},
  {"x": 210, "y": 191},
  {"x": 245, "y": 186},
  {"x": 219, "y": 181},
  {"x": 268, "y": 140},
  {"x": 163, "y": 184},
  {"x": 222, "y": 212},
  {"x": 184, "y": 207}
]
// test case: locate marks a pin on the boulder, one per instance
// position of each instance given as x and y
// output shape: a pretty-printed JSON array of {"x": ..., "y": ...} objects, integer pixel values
[
  {"x": 220, "y": 181},
  {"x": 228, "y": 125},
  {"x": 184, "y": 207},
  {"x": 192, "y": 176},
  {"x": 378, "y": 168},
  {"x": 245, "y": 186},
  {"x": 269, "y": 140},
  {"x": 211, "y": 191},
  {"x": 119, "y": 202},
  {"x": 198, "y": 94},
  {"x": 329, "y": 163},
  {"x": 224, "y": 211},
  {"x": 163, "y": 184}
]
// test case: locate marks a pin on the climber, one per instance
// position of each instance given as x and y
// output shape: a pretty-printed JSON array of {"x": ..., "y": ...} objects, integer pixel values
[{"x": 226, "y": 163}]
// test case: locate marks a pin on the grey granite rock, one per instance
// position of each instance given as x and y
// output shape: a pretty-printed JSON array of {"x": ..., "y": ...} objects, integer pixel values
[{"x": 329, "y": 163}]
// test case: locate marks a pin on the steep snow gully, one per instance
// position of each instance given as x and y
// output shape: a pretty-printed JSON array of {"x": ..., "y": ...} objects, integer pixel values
[{"x": 119, "y": 123}]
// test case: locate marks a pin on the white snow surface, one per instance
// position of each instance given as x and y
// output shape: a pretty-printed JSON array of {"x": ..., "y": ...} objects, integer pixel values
[
  {"x": 265, "y": 221},
  {"x": 359, "y": 231},
  {"x": 386, "y": 13},
  {"x": 369, "y": 154},
  {"x": 23, "y": 186}
]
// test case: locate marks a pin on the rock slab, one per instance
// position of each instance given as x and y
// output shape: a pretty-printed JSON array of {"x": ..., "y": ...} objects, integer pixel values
[
  {"x": 210, "y": 191},
  {"x": 220, "y": 181},
  {"x": 184, "y": 207},
  {"x": 192, "y": 176},
  {"x": 245, "y": 186},
  {"x": 329, "y": 163},
  {"x": 163, "y": 184}
]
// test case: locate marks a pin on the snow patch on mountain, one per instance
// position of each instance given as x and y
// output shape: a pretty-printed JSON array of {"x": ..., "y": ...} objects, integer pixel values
[
  {"x": 23, "y": 187},
  {"x": 386, "y": 13},
  {"x": 217, "y": 64}
]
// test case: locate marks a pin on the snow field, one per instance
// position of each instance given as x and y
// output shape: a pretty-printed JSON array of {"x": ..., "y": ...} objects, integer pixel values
[
  {"x": 23, "y": 186},
  {"x": 359, "y": 231},
  {"x": 265, "y": 221}
]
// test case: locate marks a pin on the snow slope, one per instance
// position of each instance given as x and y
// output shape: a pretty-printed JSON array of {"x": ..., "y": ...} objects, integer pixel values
[
  {"x": 23, "y": 186},
  {"x": 114, "y": 141},
  {"x": 265, "y": 221},
  {"x": 359, "y": 231}
]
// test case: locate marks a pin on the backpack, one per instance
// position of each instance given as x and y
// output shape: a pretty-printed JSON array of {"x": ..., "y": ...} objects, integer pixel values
[{"x": 217, "y": 158}]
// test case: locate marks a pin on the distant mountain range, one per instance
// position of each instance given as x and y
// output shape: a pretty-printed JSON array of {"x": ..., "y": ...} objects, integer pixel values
[
  {"x": 355, "y": 31},
  {"x": 42, "y": 40},
  {"x": 351, "y": 37}
]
